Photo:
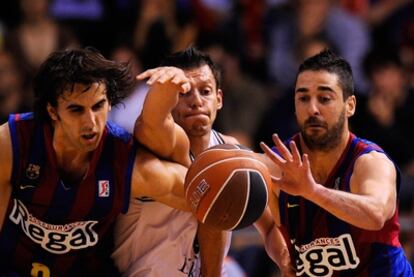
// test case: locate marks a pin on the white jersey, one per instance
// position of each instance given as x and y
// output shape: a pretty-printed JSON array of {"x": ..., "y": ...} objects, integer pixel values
[{"x": 154, "y": 240}]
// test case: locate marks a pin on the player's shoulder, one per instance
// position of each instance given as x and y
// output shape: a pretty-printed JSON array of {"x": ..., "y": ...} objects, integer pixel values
[
  {"x": 6, "y": 150},
  {"x": 373, "y": 158},
  {"x": 118, "y": 132},
  {"x": 374, "y": 162},
  {"x": 229, "y": 139}
]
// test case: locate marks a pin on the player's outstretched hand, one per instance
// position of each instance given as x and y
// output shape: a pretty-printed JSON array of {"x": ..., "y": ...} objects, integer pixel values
[
  {"x": 166, "y": 75},
  {"x": 296, "y": 177}
]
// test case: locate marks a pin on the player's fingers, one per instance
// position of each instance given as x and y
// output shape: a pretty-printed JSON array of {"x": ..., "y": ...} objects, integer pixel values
[
  {"x": 179, "y": 79},
  {"x": 185, "y": 87},
  {"x": 145, "y": 74},
  {"x": 281, "y": 147},
  {"x": 155, "y": 77},
  {"x": 165, "y": 76},
  {"x": 306, "y": 162},
  {"x": 271, "y": 154},
  {"x": 295, "y": 152}
]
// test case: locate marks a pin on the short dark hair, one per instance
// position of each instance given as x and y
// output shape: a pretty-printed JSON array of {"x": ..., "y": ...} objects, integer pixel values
[
  {"x": 63, "y": 69},
  {"x": 191, "y": 58},
  {"x": 332, "y": 63}
]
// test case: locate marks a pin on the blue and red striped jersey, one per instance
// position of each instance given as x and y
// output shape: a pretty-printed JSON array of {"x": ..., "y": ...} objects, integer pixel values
[
  {"x": 52, "y": 229},
  {"x": 323, "y": 245}
]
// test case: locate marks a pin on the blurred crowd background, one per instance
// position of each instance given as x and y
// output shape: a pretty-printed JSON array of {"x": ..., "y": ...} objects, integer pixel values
[{"x": 258, "y": 45}]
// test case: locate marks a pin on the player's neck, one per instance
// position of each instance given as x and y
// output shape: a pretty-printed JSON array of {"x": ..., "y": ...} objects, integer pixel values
[
  {"x": 199, "y": 143},
  {"x": 68, "y": 157},
  {"x": 323, "y": 162},
  {"x": 72, "y": 167}
]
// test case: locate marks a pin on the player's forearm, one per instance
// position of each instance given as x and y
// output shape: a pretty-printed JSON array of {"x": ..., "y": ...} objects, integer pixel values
[
  {"x": 362, "y": 211},
  {"x": 213, "y": 243}
]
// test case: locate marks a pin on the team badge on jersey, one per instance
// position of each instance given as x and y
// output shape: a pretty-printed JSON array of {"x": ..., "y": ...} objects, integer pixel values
[
  {"x": 33, "y": 171},
  {"x": 103, "y": 188}
]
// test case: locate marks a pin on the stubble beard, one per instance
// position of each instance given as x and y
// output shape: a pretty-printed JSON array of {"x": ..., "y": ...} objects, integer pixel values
[{"x": 330, "y": 140}]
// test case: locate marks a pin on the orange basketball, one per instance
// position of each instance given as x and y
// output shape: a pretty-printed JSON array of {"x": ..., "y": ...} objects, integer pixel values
[{"x": 226, "y": 187}]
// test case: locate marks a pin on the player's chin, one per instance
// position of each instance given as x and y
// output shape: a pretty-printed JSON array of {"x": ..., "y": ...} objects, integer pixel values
[
  {"x": 200, "y": 129},
  {"x": 90, "y": 144}
]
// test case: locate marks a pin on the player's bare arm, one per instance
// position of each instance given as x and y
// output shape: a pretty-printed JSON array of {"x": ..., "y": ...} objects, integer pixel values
[
  {"x": 274, "y": 243},
  {"x": 6, "y": 159},
  {"x": 155, "y": 128},
  {"x": 373, "y": 198},
  {"x": 160, "y": 180}
]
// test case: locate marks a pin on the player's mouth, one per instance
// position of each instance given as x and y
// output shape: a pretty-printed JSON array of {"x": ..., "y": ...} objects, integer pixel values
[
  {"x": 316, "y": 126},
  {"x": 89, "y": 137},
  {"x": 197, "y": 115}
]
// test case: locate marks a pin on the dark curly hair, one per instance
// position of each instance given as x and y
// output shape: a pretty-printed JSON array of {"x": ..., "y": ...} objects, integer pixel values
[
  {"x": 328, "y": 61},
  {"x": 63, "y": 69}
]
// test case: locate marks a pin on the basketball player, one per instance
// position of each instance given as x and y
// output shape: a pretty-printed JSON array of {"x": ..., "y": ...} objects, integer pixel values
[
  {"x": 162, "y": 242},
  {"x": 66, "y": 173},
  {"x": 338, "y": 193}
]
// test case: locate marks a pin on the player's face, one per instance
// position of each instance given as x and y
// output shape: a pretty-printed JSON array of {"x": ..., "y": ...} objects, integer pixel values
[
  {"x": 80, "y": 116},
  {"x": 197, "y": 110},
  {"x": 321, "y": 112}
]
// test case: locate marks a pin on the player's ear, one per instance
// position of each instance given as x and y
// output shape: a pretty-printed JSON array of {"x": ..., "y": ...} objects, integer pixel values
[
  {"x": 219, "y": 96},
  {"x": 52, "y": 112},
  {"x": 350, "y": 105}
]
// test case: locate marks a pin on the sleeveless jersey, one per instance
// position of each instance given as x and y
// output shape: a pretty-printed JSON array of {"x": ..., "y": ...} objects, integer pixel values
[
  {"x": 52, "y": 228},
  {"x": 153, "y": 239},
  {"x": 323, "y": 245}
]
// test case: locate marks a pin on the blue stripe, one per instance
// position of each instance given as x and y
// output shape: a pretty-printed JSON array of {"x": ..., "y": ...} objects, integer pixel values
[
  {"x": 389, "y": 261},
  {"x": 15, "y": 148},
  {"x": 128, "y": 177}
]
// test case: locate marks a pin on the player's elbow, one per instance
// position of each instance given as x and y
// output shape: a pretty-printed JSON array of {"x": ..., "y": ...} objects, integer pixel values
[
  {"x": 378, "y": 219},
  {"x": 377, "y": 223}
]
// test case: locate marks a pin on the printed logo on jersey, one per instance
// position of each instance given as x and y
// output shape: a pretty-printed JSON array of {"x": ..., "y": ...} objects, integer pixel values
[
  {"x": 103, "y": 188},
  {"x": 191, "y": 266},
  {"x": 33, "y": 171},
  {"x": 57, "y": 239},
  {"x": 324, "y": 255}
]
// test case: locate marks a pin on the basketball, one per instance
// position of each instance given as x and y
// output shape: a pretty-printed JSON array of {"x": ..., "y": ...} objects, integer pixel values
[{"x": 226, "y": 187}]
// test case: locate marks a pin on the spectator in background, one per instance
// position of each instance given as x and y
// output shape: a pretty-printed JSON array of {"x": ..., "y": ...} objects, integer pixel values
[
  {"x": 387, "y": 114},
  {"x": 239, "y": 118},
  {"x": 2, "y": 33},
  {"x": 373, "y": 12},
  {"x": 306, "y": 18},
  {"x": 12, "y": 99},
  {"x": 94, "y": 21},
  {"x": 162, "y": 27},
  {"x": 36, "y": 37},
  {"x": 407, "y": 51},
  {"x": 388, "y": 108}
]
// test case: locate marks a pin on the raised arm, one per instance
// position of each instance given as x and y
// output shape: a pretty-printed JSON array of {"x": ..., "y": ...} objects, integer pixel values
[
  {"x": 155, "y": 128},
  {"x": 5, "y": 170},
  {"x": 371, "y": 202},
  {"x": 160, "y": 180}
]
